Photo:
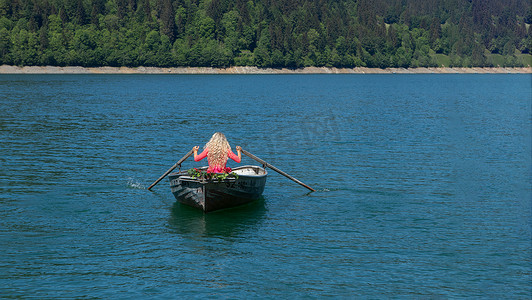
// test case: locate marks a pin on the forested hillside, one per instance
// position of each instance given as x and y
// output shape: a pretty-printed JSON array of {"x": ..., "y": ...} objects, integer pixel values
[{"x": 266, "y": 33}]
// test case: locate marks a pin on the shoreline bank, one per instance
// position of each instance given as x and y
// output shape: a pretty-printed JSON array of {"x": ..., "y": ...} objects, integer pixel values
[{"x": 5, "y": 69}]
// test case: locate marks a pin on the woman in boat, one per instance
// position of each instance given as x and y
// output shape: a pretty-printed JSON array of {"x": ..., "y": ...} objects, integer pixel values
[{"x": 217, "y": 151}]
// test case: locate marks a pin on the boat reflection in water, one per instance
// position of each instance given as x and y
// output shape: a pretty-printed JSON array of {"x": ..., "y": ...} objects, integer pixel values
[{"x": 226, "y": 223}]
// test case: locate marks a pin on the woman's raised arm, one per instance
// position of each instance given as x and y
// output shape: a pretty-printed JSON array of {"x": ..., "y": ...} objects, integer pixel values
[
  {"x": 198, "y": 157},
  {"x": 235, "y": 157}
]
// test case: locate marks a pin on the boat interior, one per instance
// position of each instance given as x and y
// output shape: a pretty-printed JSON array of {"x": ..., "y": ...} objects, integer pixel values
[
  {"x": 247, "y": 170},
  {"x": 250, "y": 171}
]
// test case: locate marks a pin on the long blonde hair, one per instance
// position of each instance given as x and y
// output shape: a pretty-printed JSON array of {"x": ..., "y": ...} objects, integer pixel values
[{"x": 218, "y": 148}]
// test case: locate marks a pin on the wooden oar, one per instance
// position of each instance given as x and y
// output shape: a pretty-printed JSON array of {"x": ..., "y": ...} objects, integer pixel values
[
  {"x": 172, "y": 168},
  {"x": 276, "y": 170}
]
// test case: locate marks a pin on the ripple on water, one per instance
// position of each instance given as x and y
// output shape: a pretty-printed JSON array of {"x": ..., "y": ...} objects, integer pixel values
[{"x": 423, "y": 187}]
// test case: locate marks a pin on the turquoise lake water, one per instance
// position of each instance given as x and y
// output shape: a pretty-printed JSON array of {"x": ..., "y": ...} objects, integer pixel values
[{"x": 423, "y": 186}]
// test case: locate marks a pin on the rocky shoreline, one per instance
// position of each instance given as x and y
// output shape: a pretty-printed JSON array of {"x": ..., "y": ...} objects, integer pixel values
[{"x": 5, "y": 69}]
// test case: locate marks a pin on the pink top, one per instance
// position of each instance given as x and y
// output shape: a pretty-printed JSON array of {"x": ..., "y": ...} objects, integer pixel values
[{"x": 217, "y": 169}]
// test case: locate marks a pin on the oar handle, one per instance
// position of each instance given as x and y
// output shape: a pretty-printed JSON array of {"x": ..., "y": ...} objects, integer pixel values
[
  {"x": 172, "y": 168},
  {"x": 276, "y": 169}
]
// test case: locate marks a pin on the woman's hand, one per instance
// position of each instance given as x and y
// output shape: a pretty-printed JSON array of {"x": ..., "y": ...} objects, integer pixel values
[
  {"x": 238, "y": 149},
  {"x": 195, "y": 149}
]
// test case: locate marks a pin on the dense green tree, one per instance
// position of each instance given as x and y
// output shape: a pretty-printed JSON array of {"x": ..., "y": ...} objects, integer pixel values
[{"x": 265, "y": 33}]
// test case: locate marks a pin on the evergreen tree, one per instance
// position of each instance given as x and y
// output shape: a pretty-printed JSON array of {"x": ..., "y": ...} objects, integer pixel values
[{"x": 168, "y": 19}]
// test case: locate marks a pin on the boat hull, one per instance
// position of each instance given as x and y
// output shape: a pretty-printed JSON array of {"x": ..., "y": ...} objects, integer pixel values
[{"x": 211, "y": 195}]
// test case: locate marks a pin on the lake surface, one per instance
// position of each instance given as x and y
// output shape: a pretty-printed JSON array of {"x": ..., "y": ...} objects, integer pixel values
[{"x": 423, "y": 186}]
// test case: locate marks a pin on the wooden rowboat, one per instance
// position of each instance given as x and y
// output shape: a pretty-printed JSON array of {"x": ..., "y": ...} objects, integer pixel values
[{"x": 213, "y": 194}]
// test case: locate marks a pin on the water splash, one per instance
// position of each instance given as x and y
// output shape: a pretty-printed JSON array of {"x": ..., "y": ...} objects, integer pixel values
[{"x": 133, "y": 183}]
